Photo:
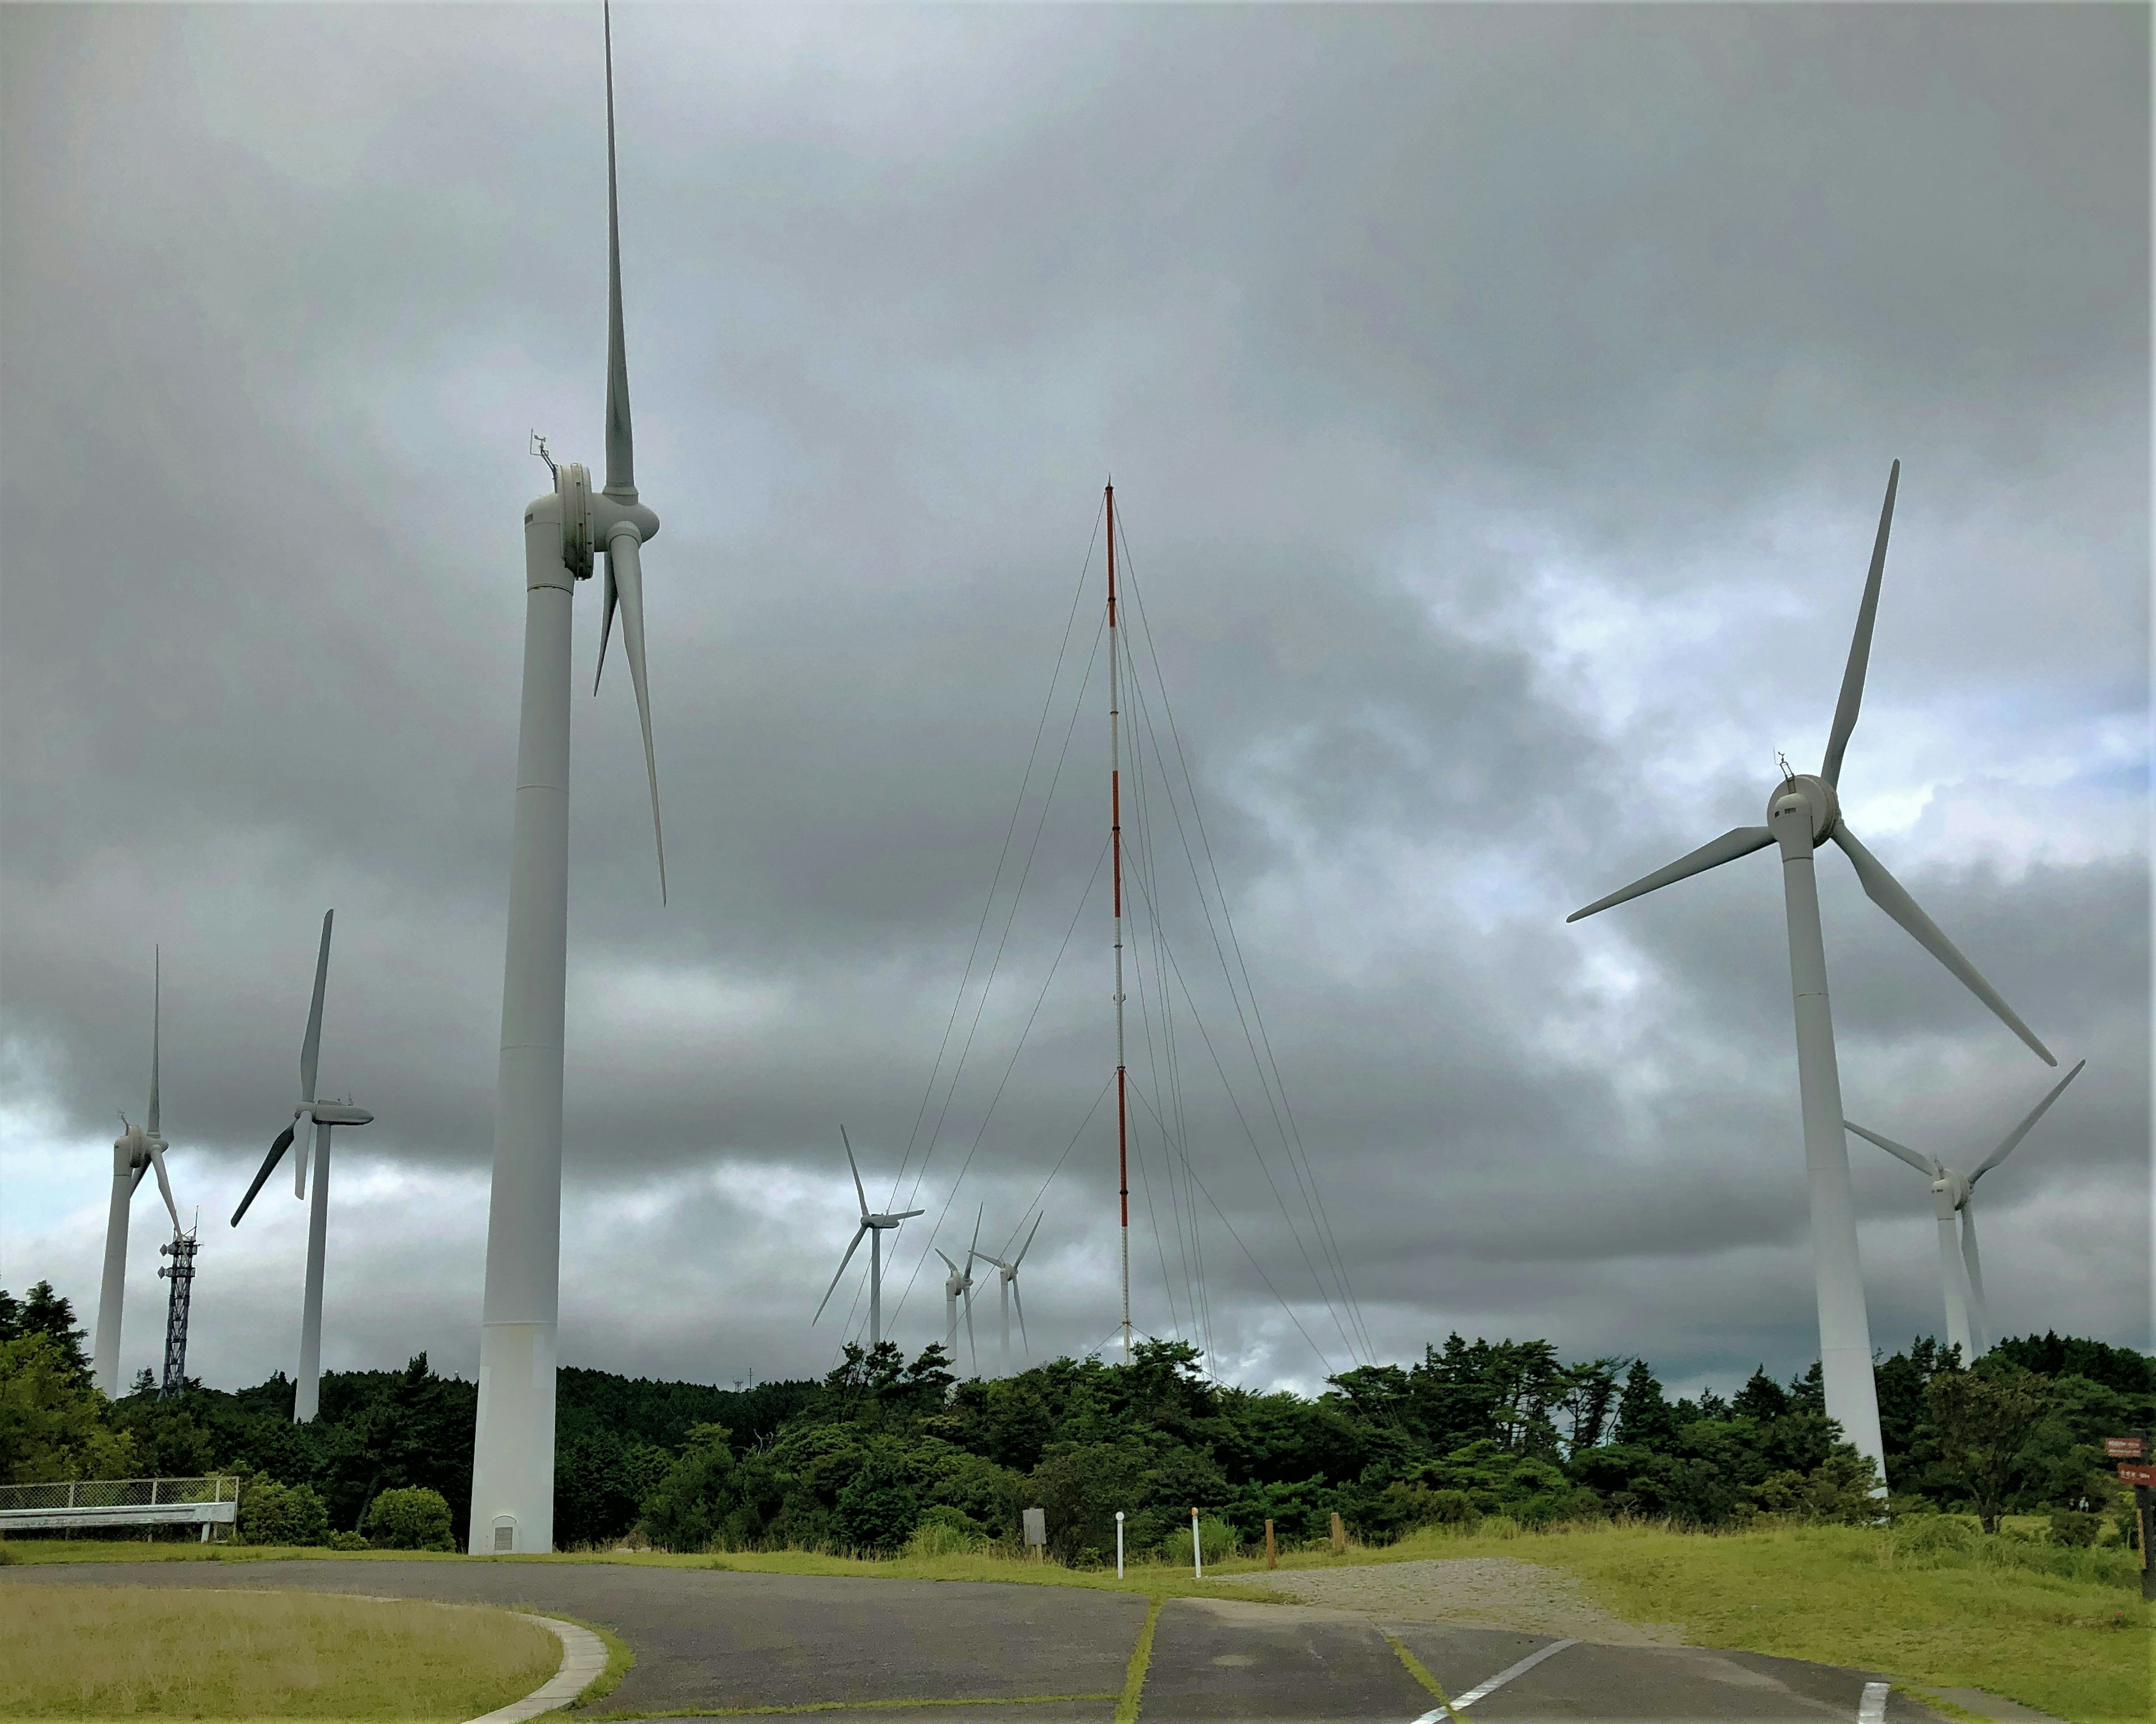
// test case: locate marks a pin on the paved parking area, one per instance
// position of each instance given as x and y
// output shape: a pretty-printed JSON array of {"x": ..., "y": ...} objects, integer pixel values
[{"x": 711, "y": 1640}]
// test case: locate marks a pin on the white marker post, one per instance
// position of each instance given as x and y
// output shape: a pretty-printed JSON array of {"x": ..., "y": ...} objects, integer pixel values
[
  {"x": 1197, "y": 1548},
  {"x": 1119, "y": 1544}
]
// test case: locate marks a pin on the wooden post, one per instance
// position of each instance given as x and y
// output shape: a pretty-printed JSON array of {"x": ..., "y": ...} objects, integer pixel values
[
  {"x": 2145, "y": 1514},
  {"x": 1339, "y": 1536},
  {"x": 1272, "y": 1557}
]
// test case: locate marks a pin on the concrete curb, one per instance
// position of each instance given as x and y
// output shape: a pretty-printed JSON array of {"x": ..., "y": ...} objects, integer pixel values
[{"x": 584, "y": 1661}]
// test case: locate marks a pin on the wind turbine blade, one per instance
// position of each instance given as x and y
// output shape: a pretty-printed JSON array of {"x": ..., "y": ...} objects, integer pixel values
[
  {"x": 625, "y": 570},
  {"x": 300, "y": 1156},
  {"x": 906, "y": 1215},
  {"x": 947, "y": 1264},
  {"x": 134, "y": 1184},
  {"x": 610, "y": 600},
  {"x": 856, "y": 1166},
  {"x": 620, "y": 466},
  {"x": 2013, "y": 1138},
  {"x": 1025, "y": 1339},
  {"x": 1027, "y": 1246},
  {"x": 157, "y": 1013},
  {"x": 1882, "y": 889},
  {"x": 1860, "y": 646},
  {"x": 1738, "y": 841},
  {"x": 164, "y": 1185},
  {"x": 859, "y": 1234},
  {"x": 311, "y": 1050},
  {"x": 972, "y": 1348},
  {"x": 1923, "y": 1164},
  {"x": 973, "y": 1249},
  {"x": 269, "y": 1167},
  {"x": 1979, "y": 1320}
]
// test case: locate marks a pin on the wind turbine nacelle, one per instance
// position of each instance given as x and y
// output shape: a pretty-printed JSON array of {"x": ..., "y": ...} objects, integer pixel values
[
  {"x": 338, "y": 1113},
  {"x": 1952, "y": 1186},
  {"x": 1816, "y": 794},
  {"x": 589, "y": 518}
]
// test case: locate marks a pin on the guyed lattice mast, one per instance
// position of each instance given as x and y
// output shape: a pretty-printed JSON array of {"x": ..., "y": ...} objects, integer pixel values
[{"x": 1115, "y": 848}]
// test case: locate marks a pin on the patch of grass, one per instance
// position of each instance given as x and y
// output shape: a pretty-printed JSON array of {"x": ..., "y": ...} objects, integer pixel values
[
  {"x": 1420, "y": 1671},
  {"x": 1134, "y": 1673},
  {"x": 110, "y": 1652},
  {"x": 2060, "y": 1629}
]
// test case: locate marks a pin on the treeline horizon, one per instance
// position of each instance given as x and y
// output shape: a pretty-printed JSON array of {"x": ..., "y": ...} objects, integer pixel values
[{"x": 864, "y": 1457}]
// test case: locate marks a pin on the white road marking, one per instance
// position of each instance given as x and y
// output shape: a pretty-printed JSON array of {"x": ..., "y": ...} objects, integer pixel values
[
  {"x": 1872, "y": 1708},
  {"x": 1482, "y": 1690}
]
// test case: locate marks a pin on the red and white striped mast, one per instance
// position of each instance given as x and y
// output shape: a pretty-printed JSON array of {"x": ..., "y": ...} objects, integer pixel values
[{"x": 1115, "y": 844}]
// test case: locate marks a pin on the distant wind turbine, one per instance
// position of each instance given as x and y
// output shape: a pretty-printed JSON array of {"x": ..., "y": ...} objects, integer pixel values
[
  {"x": 512, "y": 1501},
  {"x": 137, "y": 1150},
  {"x": 1968, "y": 1327},
  {"x": 321, "y": 1115},
  {"x": 957, "y": 1285},
  {"x": 1007, "y": 1289},
  {"x": 1804, "y": 812},
  {"x": 874, "y": 1227}
]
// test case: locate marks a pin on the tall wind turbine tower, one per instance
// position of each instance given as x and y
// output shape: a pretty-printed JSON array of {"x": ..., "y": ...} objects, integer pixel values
[
  {"x": 137, "y": 1150},
  {"x": 315, "y": 1117},
  {"x": 512, "y": 1503},
  {"x": 1804, "y": 812}
]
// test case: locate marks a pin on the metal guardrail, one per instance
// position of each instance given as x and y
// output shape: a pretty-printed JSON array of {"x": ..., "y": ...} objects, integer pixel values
[{"x": 119, "y": 1502}]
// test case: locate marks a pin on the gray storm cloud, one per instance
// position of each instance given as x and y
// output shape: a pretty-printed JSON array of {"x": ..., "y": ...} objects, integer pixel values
[{"x": 1499, "y": 401}]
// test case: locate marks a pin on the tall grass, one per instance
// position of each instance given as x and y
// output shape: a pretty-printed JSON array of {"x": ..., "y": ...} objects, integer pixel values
[{"x": 183, "y": 1652}]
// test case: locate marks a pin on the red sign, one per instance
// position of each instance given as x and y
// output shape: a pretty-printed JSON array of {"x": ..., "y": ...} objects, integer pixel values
[
  {"x": 2122, "y": 1447},
  {"x": 2137, "y": 1475}
]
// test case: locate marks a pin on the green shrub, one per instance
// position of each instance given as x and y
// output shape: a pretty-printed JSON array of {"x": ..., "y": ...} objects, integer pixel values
[
  {"x": 1216, "y": 1538},
  {"x": 348, "y": 1542},
  {"x": 2073, "y": 1528},
  {"x": 271, "y": 1513},
  {"x": 416, "y": 1519},
  {"x": 943, "y": 1530}
]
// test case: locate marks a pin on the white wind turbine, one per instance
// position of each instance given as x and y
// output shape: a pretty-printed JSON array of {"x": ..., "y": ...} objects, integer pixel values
[
  {"x": 1804, "y": 812},
  {"x": 314, "y": 1110},
  {"x": 512, "y": 1503},
  {"x": 1968, "y": 1327},
  {"x": 874, "y": 1227},
  {"x": 1007, "y": 1288},
  {"x": 137, "y": 1150},
  {"x": 957, "y": 1285}
]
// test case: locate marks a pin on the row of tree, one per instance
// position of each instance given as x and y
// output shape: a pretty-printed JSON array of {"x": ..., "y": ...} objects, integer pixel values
[{"x": 883, "y": 1448}]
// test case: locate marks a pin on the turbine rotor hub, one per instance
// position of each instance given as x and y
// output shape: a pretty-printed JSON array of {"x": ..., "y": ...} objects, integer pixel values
[{"x": 1815, "y": 794}]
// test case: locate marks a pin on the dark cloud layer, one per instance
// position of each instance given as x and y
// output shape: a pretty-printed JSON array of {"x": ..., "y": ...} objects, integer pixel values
[{"x": 1499, "y": 400}]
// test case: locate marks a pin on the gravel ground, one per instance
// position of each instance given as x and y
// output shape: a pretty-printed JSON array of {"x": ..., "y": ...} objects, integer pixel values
[{"x": 1496, "y": 1591}]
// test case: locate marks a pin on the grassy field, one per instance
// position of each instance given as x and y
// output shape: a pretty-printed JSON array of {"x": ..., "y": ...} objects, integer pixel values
[{"x": 109, "y": 1652}]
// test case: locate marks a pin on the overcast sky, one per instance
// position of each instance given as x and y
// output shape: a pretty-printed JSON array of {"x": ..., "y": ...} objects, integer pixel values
[{"x": 1499, "y": 402}]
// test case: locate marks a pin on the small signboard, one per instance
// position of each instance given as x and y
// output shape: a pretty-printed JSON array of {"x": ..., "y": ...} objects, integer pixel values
[
  {"x": 1036, "y": 1526},
  {"x": 2122, "y": 1448},
  {"x": 2133, "y": 1475}
]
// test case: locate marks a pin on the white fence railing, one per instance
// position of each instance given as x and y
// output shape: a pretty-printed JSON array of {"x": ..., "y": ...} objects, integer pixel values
[{"x": 120, "y": 1502}]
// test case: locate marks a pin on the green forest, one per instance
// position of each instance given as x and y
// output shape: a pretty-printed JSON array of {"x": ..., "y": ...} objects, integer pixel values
[{"x": 882, "y": 1448}]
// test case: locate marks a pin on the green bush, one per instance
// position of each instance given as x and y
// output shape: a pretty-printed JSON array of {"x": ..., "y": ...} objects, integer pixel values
[
  {"x": 943, "y": 1530},
  {"x": 416, "y": 1519},
  {"x": 1216, "y": 1538},
  {"x": 348, "y": 1542},
  {"x": 2074, "y": 1528},
  {"x": 271, "y": 1513}
]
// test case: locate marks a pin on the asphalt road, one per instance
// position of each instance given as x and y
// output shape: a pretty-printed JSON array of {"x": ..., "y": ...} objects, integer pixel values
[{"x": 710, "y": 1640}]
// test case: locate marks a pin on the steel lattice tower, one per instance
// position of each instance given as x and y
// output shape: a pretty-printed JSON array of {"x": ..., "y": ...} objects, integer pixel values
[{"x": 180, "y": 1273}]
